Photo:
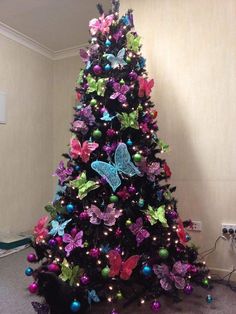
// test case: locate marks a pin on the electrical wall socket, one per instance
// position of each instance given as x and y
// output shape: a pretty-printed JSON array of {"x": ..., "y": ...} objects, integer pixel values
[
  {"x": 227, "y": 227},
  {"x": 196, "y": 226}
]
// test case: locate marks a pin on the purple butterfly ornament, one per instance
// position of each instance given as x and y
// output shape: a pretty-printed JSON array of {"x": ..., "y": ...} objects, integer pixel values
[
  {"x": 62, "y": 172},
  {"x": 73, "y": 243},
  {"x": 120, "y": 91},
  {"x": 108, "y": 217},
  {"x": 138, "y": 230}
]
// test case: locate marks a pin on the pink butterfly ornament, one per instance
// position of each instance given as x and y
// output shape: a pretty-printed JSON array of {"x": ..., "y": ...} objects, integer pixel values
[
  {"x": 83, "y": 151},
  {"x": 145, "y": 86},
  {"x": 138, "y": 230},
  {"x": 73, "y": 242},
  {"x": 109, "y": 216},
  {"x": 101, "y": 24},
  {"x": 40, "y": 230}
]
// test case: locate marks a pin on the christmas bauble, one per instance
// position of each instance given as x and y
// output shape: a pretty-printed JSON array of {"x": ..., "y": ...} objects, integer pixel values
[
  {"x": 137, "y": 157},
  {"x": 163, "y": 253},
  {"x": 32, "y": 258},
  {"x": 119, "y": 295},
  {"x": 93, "y": 102},
  {"x": 70, "y": 208},
  {"x": 146, "y": 270},
  {"x": 28, "y": 271},
  {"x": 105, "y": 272},
  {"x": 188, "y": 289},
  {"x": 85, "y": 280},
  {"x": 209, "y": 298},
  {"x": 113, "y": 198},
  {"x": 33, "y": 288},
  {"x": 108, "y": 43},
  {"x": 155, "y": 306},
  {"x": 129, "y": 142},
  {"x": 141, "y": 202},
  {"x": 128, "y": 222},
  {"x": 75, "y": 306},
  {"x": 54, "y": 268},
  {"x": 107, "y": 67},
  {"x": 94, "y": 252},
  {"x": 97, "y": 133},
  {"x": 52, "y": 242},
  {"x": 97, "y": 69}
]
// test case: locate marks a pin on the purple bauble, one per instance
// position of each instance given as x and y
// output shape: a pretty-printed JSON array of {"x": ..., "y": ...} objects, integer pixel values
[
  {"x": 84, "y": 215},
  {"x": 74, "y": 231},
  {"x": 32, "y": 258},
  {"x": 172, "y": 214},
  {"x": 132, "y": 189},
  {"x": 155, "y": 306},
  {"x": 114, "y": 312},
  {"x": 95, "y": 252},
  {"x": 97, "y": 69},
  {"x": 33, "y": 287},
  {"x": 54, "y": 268},
  {"x": 85, "y": 280},
  {"x": 52, "y": 242},
  {"x": 188, "y": 289},
  {"x": 133, "y": 75}
]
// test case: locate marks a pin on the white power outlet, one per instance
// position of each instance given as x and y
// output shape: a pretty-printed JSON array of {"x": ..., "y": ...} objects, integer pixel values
[
  {"x": 196, "y": 226},
  {"x": 228, "y": 227}
]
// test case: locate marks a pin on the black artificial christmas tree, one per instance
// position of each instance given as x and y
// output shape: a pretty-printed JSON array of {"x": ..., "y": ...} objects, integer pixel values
[{"x": 114, "y": 234}]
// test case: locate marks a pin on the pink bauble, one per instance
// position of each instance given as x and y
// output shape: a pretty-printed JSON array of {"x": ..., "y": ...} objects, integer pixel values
[
  {"x": 84, "y": 215},
  {"x": 59, "y": 240},
  {"x": 32, "y": 258},
  {"x": 155, "y": 306},
  {"x": 33, "y": 287},
  {"x": 54, "y": 268},
  {"x": 95, "y": 252},
  {"x": 97, "y": 69}
]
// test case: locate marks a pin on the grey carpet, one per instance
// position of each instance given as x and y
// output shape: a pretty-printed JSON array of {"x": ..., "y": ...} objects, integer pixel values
[{"x": 15, "y": 299}]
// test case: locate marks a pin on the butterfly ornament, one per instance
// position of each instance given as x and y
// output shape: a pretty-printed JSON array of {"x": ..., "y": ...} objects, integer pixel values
[
  {"x": 102, "y": 24},
  {"x": 69, "y": 273},
  {"x": 133, "y": 42},
  {"x": 58, "y": 228},
  {"x": 92, "y": 296},
  {"x": 109, "y": 216},
  {"x": 140, "y": 233},
  {"x": 122, "y": 164},
  {"x": 120, "y": 91},
  {"x": 145, "y": 87},
  {"x": 118, "y": 60},
  {"x": 62, "y": 172},
  {"x": 82, "y": 150},
  {"x": 40, "y": 230},
  {"x": 120, "y": 268},
  {"x": 128, "y": 120},
  {"x": 96, "y": 86},
  {"x": 155, "y": 215},
  {"x": 83, "y": 185},
  {"x": 73, "y": 243}
]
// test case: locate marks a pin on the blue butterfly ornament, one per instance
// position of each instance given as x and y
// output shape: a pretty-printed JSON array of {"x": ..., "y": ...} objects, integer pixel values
[
  {"x": 58, "y": 228},
  {"x": 92, "y": 296},
  {"x": 122, "y": 164},
  {"x": 117, "y": 60}
]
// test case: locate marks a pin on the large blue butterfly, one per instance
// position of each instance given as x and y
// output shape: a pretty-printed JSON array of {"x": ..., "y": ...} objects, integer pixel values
[
  {"x": 118, "y": 60},
  {"x": 122, "y": 164}
]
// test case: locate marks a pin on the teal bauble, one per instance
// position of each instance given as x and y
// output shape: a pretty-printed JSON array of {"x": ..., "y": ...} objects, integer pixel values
[
  {"x": 147, "y": 270},
  {"x": 70, "y": 208},
  {"x": 141, "y": 202},
  {"x": 29, "y": 271},
  {"x": 107, "y": 67},
  {"x": 129, "y": 142},
  {"x": 75, "y": 306},
  {"x": 163, "y": 253},
  {"x": 108, "y": 43},
  {"x": 209, "y": 299},
  {"x": 97, "y": 133}
]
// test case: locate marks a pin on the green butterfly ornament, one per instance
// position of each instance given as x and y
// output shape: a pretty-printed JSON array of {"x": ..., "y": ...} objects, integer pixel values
[
  {"x": 83, "y": 185},
  {"x": 163, "y": 146},
  {"x": 70, "y": 274},
  {"x": 55, "y": 209},
  {"x": 80, "y": 77},
  {"x": 133, "y": 42},
  {"x": 156, "y": 215},
  {"x": 129, "y": 120},
  {"x": 96, "y": 86}
]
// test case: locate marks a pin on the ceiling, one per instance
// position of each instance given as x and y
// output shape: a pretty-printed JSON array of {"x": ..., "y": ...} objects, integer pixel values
[{"x": 54, "y": 24}]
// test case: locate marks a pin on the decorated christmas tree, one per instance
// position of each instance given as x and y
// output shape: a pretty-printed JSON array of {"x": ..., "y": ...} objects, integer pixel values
[{"x": 114, "y": 233}]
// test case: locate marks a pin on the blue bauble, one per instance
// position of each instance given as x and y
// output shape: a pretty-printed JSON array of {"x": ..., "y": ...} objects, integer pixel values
[
  {"x": 28, "y": 271},
  {"x": 70, "y": 208},
  {"x": 77, "y": 168},
  {"x": 108, "y": 43},
  {"x": 129, "y": 142},
  {"x": 107, "y": 67},
  {"x": 188, "y": 238},
  {"x": 59, "y": 218},
  {"x": 209, "y": 298},
  {"x": 146, "y": 271},
  {"x": 75, "y": 306}
]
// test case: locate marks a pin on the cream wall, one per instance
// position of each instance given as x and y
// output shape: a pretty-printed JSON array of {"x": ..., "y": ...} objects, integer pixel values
[
  {"x": 26, "y": 139},
  {"x": 190, "y": 46}
]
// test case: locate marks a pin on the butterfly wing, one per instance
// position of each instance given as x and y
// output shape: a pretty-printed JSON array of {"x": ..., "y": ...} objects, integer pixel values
[
  {"x": 107, "y": 171},
  {"x": 115, "y": 262},
  {"x": 149, "y": 86},
  {"x": 84, "y": 55},
  {"x": 86, "y": 150},
  {"x": 123, "y": 162},
  {"x": 92, "y": 296},
  {"x": 62, "y": 227},
  {"x": 55, "y": 226},
  {"x": 95, "y": 215},
  {"x": 120, "y": 57},
  {"x": 141, "y": 236},
  {"x": 128, "y": 266},
  {"x": 75, "y": 148}
]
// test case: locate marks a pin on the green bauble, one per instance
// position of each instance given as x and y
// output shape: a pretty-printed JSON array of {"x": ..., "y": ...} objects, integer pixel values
[
  {"x": 119, "y": 295},
  {"x": 93, "y": 102},
  {"x": 113, "y": 198},
  {"x": 163, "y": 253},
  {"x": 128, "y": 222},
  {"x": 128, "y": 59},
  {"x": 97, "y": 133},
  {"x": 122, "y": 81},
  {"x": 137, "y": 157},
  {"x": 105, "y": 272},
  {"x": 205, "y": 282}
]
